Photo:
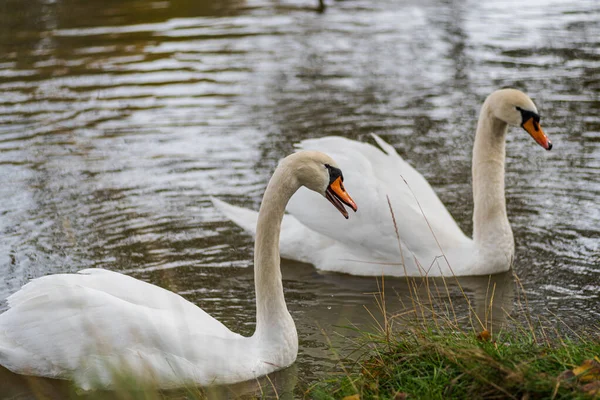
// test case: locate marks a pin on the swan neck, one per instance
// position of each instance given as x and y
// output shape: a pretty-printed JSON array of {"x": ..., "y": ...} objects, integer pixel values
[
  {"x": 490, "y": 221},
  {"x": 272, "y": 316}
]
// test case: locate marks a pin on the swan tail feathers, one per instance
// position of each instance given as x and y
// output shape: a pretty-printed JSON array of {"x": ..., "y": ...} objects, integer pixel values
[
  {"x": 389, "y": 150},
  {"x": 243, "y": 217}
]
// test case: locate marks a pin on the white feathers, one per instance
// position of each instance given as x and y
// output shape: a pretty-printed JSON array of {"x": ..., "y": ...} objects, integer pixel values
[{"x": 367, "y": 244}]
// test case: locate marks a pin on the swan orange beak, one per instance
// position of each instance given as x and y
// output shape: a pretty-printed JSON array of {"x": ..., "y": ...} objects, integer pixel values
[
  {"x": 535, "y": 130},
  {"x": 337, "y": 195}
]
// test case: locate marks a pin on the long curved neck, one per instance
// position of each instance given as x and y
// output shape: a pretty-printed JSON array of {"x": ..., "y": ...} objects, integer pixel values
[
  {"x": 490, "y": 222},
  {"x": 272, "y": 316}
]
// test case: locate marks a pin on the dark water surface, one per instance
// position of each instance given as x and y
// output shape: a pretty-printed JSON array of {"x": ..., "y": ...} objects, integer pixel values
[{"x": 119, "y": 120}]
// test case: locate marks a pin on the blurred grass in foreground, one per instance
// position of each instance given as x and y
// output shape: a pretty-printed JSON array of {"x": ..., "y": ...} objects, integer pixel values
[
  {"x": 440, "y": 362},
  {"x": 425, "y": 351},
  {"x": 433, "y": 354}
]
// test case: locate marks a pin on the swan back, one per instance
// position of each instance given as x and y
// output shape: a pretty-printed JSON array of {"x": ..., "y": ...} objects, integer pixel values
[{"x": 90, "y": 325}]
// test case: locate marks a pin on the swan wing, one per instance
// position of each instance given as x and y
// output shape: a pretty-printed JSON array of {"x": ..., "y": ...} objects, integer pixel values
[
  {"x": 62, "y": 325},
  {"x": 372, "y": 175}
]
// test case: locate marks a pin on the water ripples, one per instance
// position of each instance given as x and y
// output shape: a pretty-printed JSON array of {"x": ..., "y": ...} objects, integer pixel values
[{"x": 119, "y": 120}]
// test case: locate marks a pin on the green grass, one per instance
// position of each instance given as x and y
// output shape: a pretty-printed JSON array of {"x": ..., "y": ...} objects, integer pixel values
[
  {"x": 427, "y": 352},
  {"x": 435, "y": 355},
  {"x": 442, "y": 364}
]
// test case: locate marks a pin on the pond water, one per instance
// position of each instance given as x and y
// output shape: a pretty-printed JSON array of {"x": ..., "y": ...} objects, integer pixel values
[{"x": 119, "y": 119}]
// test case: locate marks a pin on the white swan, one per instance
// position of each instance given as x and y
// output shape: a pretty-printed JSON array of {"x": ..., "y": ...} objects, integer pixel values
[
  {"x": 93, "y": 324},
  {"x": 368, "y": 245}
]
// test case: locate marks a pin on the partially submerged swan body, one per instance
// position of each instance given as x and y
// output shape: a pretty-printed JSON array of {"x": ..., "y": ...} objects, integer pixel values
[
  {"x": 97, "y": 326},
  {"x": 429, "y": 240}
]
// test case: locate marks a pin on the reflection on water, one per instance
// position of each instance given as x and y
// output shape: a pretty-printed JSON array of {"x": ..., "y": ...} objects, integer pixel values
[{"x": 119, "y": 119}]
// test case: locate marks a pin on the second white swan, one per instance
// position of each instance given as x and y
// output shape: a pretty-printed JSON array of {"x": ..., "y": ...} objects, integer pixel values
[
  {"x": 431, "y": 243},
  {"x": 98, "y": 326}
]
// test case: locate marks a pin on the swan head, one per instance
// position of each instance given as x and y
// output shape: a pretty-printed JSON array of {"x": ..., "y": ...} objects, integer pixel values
[
  {"x": 517, "y": 109},
  {"x": 320, "y": 173}
]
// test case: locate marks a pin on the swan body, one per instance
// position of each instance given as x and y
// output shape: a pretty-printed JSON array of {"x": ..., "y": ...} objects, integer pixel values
[
  {"x": 428, "y": 241},
  {"x": 95, "y": 324}
]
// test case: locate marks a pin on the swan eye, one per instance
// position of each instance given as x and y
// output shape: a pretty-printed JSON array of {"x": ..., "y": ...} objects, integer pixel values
[{"x": 527, "y": 115}]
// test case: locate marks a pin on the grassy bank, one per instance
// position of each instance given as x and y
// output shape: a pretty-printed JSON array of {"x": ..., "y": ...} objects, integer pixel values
[
  {"x": 441, "y": 364},
  {"x": 436, "y": 356}
]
